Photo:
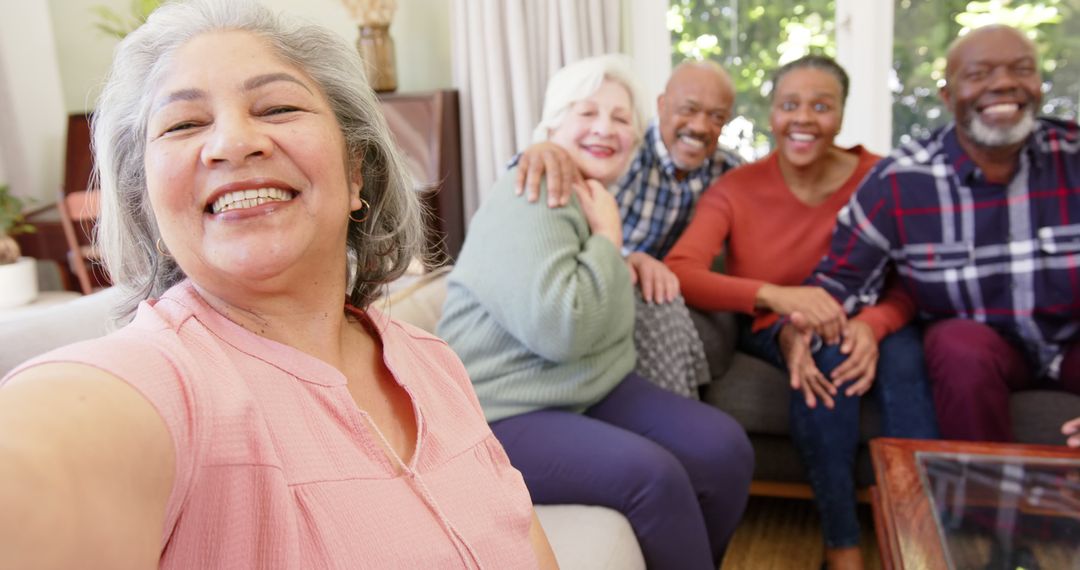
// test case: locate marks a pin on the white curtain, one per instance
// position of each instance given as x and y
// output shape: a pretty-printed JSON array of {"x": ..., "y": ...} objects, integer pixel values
[
  {"x": 504, "y": 53},
  {"x": 5, "y": 119}
]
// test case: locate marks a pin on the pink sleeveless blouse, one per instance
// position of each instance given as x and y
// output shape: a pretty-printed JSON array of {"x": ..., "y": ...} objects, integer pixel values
[{"x": 277, "y": 467}]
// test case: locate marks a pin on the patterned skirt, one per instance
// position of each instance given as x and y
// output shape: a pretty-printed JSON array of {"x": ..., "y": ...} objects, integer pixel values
[{"x": 669, "y": 352}]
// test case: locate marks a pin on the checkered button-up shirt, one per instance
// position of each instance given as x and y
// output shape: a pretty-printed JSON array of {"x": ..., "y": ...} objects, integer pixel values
[
  {"x": 655, "y": 205},
  {"x": 1002, "y": 254}
]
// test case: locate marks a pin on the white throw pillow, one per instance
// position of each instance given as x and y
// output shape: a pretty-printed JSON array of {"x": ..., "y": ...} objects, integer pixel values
[{"x": 417, "y": 300}]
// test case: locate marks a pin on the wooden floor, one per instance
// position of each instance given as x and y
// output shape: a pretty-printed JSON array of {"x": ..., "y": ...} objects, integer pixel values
[{"x": 785, "y": 534}]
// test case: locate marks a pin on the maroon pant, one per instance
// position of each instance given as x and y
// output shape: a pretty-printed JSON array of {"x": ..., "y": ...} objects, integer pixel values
[{"x": 972, "y": 372}]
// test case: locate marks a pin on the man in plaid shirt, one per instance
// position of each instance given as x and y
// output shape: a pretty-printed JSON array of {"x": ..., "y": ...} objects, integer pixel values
[
  {"x": 981, "y": 222},
  {"x": 656, "y": 197}
]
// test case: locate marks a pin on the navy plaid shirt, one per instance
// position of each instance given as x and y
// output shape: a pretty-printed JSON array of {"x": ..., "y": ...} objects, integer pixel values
[
  {"x": 1002, "y": 254},
  {"x": 655, "y": 206}
]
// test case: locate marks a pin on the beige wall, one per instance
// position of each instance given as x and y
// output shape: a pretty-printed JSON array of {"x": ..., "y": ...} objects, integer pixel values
[{"x": 421, "y": 32}]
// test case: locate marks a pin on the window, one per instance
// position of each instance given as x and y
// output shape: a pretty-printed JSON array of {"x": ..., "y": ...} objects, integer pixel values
[
  {"x": 925, "y": 28},
  {"x": 751, "y": 40}
]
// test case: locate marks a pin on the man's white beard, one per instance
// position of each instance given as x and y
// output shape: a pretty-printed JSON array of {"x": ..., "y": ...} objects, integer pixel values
[{"x": 985, "y": 135}]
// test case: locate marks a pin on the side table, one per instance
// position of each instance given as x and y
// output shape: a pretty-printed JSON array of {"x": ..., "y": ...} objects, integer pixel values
[{"x": 951, "y": 504}]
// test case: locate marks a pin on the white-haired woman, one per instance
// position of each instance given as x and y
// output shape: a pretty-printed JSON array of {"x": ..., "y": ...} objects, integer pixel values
[
  {"x": 254, "y": 413},
  {"x": 540, "y": 308}
]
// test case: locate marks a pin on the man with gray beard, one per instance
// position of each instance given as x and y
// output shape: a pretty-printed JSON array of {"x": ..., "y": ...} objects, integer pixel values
[{"x": 981, "y": 222}]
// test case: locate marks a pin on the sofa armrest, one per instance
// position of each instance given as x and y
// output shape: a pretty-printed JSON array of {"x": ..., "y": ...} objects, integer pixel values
[
  {"x": 37, "y": 331},
  {"x": 718, "y": 332}
]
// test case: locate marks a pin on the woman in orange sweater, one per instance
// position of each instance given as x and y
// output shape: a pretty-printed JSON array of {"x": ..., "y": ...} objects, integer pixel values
[{"x": 775, "y": 218}]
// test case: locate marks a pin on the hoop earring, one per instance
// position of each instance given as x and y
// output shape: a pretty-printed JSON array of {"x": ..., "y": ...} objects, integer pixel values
[
  {"x": 160, "y": 247},
  {"x": 364, "y": 207}
]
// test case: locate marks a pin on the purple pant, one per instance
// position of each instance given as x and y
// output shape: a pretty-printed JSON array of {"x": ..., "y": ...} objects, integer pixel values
[
  {"x": 678, "y": 469},
  {"x": 973, "y": 369}
]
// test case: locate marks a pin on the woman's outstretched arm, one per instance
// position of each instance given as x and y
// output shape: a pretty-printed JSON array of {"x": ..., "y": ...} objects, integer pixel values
[{"x": 86, "y": 468}]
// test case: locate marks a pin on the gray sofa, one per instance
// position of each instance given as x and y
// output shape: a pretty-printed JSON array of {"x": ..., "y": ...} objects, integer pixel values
[{"x": 756, "y": 394}]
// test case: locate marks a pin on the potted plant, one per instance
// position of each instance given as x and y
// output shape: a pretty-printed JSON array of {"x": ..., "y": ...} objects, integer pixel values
[{"x": 18, "y": 275}]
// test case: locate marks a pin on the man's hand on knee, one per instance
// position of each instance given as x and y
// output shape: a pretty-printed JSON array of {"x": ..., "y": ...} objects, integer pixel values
[{"x": 861, "y": 349}]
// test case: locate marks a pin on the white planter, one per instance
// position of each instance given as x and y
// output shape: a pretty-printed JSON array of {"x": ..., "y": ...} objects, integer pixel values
[{"x": 18, "y": 283}]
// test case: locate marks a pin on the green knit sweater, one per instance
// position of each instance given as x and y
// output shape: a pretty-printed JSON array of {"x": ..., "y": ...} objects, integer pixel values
[{"x": 540, "y": 311}]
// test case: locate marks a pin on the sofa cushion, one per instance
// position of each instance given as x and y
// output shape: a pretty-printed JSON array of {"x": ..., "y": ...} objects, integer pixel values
[
  {"x": 38, "y": 331},
  {"x": 753, "y": 392},
  {"x": 717, "y": 333},
  {"x": 589, "y": 537},
  {"x": 417, "y": 299},
  {"x": 1038, "y": 414}
]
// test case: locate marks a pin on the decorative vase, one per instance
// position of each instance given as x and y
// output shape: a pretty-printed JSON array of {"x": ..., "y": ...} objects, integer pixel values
[
  {"x": 376, "y": 48},
  {"x": 18, "y": 283}
]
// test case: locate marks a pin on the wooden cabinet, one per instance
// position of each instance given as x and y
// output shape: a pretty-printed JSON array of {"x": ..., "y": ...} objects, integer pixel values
[{"x": 427, "y": 129}]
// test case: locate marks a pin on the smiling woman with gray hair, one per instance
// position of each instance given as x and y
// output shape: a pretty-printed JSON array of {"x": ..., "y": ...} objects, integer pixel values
[
  {"x": 255, "y": 413},
  {"x": 540, "y": 307}
]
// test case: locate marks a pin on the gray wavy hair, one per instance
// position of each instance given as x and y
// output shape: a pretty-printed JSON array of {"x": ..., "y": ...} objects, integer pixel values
[{"x": 379, "y": 248}]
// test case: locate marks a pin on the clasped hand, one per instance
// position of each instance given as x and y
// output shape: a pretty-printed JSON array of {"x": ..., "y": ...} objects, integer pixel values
[
  {"x": 601, "y": 211},
  {"x": 858, "y": 343},
  {"x": 818, "y": 308}
]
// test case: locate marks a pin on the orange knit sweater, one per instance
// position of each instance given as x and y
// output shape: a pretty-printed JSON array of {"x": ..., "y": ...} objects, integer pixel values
[{"x": 771, "y": 237}]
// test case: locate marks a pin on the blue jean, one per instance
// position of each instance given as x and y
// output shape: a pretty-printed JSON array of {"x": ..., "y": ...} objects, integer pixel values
[
  {"x": 828, "y": 439},
  {"x": 679, "y": 470}
]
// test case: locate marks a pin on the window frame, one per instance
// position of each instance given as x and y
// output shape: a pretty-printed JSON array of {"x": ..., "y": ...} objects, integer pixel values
[{"x": 864, "y": 45}]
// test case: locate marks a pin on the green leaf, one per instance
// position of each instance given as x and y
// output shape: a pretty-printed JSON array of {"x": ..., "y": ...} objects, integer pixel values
[{"x": 11, "y": 216}]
